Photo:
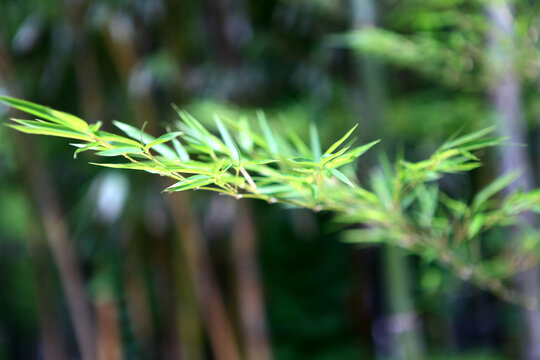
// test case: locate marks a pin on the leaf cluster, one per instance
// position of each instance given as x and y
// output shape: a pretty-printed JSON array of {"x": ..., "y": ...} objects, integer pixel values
[{"x": 402, "y": 204}]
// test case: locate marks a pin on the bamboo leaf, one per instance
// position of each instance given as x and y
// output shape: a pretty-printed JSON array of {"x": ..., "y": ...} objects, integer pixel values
[
  {"x": 246, "y": 140},
  {"x": 340, "y": 141},
  {"x": 297, "y": 142},
  {"x": 85, "y": 147},
  {"x": 43, "y": 128},
  {"x": 341, "y": 176},
  {"x": 267, "y": 132},
  {"x": 467, "y": 138},
  {"x": 360, "y": 150},
  {"x": 180, "y": 150},
  {"x": 494, "y": 187},
  {"x": 229, "y": 142},
  {"x": 95, "y": 127},
  {"x": 133, "y": 132},
  {"x": 113, "y": 138},
  {"x": 138, "y": 134},
  {"x": 120, "y": 151},
  {"x": 275, "y": 189},
  {"x": 163, "y": 138},
  {"x": 46, "y": 113},
  {"x": 132, "y": 166},
  {"x": 476, "y": 225},
  {"x": 199, "y": 132},
  {"x": 191, "y": 183},
  {"x": 315, "y": 144}
]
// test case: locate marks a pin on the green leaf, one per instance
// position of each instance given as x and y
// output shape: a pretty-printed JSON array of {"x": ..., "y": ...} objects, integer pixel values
[
  {"x": 133, "y": 166},
  {"x": 328, "y": 158},
  {"x": 297, "y": 142},
  {"x": 199, "y": 131},
  {"x": 46, "y": 113},
  {"x": 208, "y": 143},
  {"x": 44, "y": 128},
  {"x": 85, "y": 147},
  {"x": 191, "y": 183},
  {"x": 494, "y": 187},
  {"x": 192, "y": 167},
  {"x": 340, "y": 141},
  {"x": 476, "y": 225},
  {"x": 113, "y": 138},
  {"x": 463, "y": 140},
  {"x": 350, "y": 155},
  {"x": 247, "y": 136},
  {"x": 360, "y": 150},
  {"x": 267, "y": 132},
  {"x": 428, "y": 200},
  {"x": 370, "y": 236},
  {"x": 458, "y": 207},
  {"x": 120, "y": 151},
  {"x": 484, "y": 143},
  {"x": 338, "y": 174},
  {"x": 275, "y": 189},
  {"x": 133, "y": 132},
  {"x": 182, "y": 153},
  {"x": 138, "y": 134},
  {"x": 163, "y": 138},
  {"x": 95, "y": 127},
  {"x": 367, "y": 195},
  {"x": 231, "y": 146},
  {"x": 246, "y": 140},
  {"x": 315, "y": 144},
  {"x": 381, "y": 188}
]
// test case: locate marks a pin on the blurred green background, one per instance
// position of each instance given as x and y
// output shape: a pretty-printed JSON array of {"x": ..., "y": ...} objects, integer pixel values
[{"x": 99, "y": 264}]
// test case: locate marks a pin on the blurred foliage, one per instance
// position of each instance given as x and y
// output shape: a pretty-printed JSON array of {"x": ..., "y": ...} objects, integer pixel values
[{"x": 128, "y": 60}]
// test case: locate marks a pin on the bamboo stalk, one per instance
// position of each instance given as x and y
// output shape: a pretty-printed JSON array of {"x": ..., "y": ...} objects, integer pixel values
[
  {"x": 249, "y": 290},
  {"x": 505, "y": 97},
  {"x": 56, "y": 229},
  {"x": 217, "y": 324}
]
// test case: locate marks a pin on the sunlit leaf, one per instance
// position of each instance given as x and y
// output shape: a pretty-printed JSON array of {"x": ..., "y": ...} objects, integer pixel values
[
  {"x": 120, "y": 151},
  {"x": 314, "y": 140},
  {"x": 338, "y": 174},
  {"x": 335, "y": 145},
  {"x": 231, "y": 146},
  {"x": 191, "y": 183},
  {"x": 268, "y": 135},
  {"x": 162, "y": 139},
  {"x": 46, "y": 113}
]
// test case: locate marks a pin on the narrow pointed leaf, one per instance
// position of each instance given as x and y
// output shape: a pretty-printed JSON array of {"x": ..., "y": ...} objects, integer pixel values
[
  {"x": 46, "y": 113},
  {"x": 180, "y": 150},
  {"x": 138, "y": 135},
  {"x": 113, "y": 138},
  {"x": 341, "y": 176},
  {"x": 494, "y": 187},
  {"x": 315, "y": 144},
  {"x": 133, "y": 166},
  {"x": 476, "y": 225},
  {"x": 49, "y": 129},
  {"x": 133, "y": 132},
  {"x": 120, "y": 151},
  {"x": 468, "y": 138},
  {"x": 229, "y": 142},
  {"x": 340, "y": 141},
  {"x": 360, "y": 150},
  {"x": 190, "y": 183},
  {"x": 163, "y": 138},
  {"x": 85, "y": 147},
  {"x": 300, "y": 146},
  {"x": 267, "y": 132}
]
